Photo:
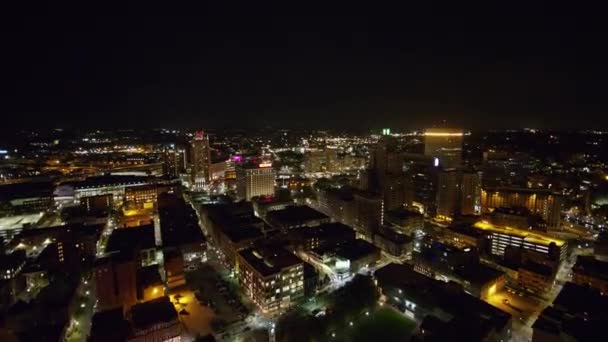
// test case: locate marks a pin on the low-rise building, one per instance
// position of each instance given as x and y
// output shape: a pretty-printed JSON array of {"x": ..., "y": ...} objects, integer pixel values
[
  {"x": 155, "y": 320},
  {"x": 233, "y": 227},
  {"x": 592, "y": 272},
  {"x": 272, "y": 277},
  {"x": 295, "y": 217},
  {"x": 308, "y": 238},
  {"x": 407, "y": 221},
  {"x": 536, "y": 278},
  {"x": 453, "y": 312},
  {"x": 577, "y": 314},
  {"x": 393, "y": 242}
]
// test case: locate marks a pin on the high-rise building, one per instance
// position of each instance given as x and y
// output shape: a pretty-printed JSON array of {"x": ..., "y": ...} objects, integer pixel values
[
  {"x": 254, "y": 180},
  {"x": 470, "y": 193},
  {"x": 458, "y": 193},
  {"x": 386, "y": 174},
  {"x": 544, "y": 202},
  {"x": 445, "y": 144},
  {"x": 201, "y": 160},
  {"x": 174, "y": 161},
  {"x": 448, "y": 191}
]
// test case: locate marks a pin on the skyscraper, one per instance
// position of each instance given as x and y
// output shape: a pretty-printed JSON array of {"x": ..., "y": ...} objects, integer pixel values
[
  {"x": 458, "y": 193},
  {"x": 386, "y": 175},
  {"x": 445, "y": 144},
  {"x": 448, "y": 191},
  {"x": 174, "y": 161},
  {"x": 201, "y": 160},
  {"x": 254, "y": 179},
  {"x": 470, "y": 193}
]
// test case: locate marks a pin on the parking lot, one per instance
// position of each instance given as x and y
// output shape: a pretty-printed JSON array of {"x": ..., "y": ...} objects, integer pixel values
[{"x": 212, "y": 291}]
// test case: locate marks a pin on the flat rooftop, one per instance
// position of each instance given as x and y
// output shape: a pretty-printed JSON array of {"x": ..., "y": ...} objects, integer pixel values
[
  {"x": 147, "y": 314},
  {"x": 295, "y": 215},
  {"x": 126, "y": 239},
  {"x": 435, "y": 294},
  {"x": 323, "y": 231},
  {"x": 527, "y": 235},
  {"x": 350, "y": 250},
  {"x": 591, "y": 266},
  {"x": 269, "y": 260}
]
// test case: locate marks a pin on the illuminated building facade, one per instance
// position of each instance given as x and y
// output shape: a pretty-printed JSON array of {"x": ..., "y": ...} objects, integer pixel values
[
  {"x": 502, "y": 237},
  {"x": 254, "y": 180},
  {"x": 174, "y": 161},
  {"x": 544, "y": 202},
  {"x": 324, "y": 160},
  {"x": 201, "y": 160},
  {"x": 272, "y": 277}
]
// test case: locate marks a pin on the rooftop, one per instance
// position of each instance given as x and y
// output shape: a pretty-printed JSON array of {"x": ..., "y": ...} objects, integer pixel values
[
  {"x": 538, "y": 268},
  {"x": 581, "y": 299},
  {"x": 109, "y": 180},
  {"x": 465, "y": 310},
  {"x": 25, "y": 190},
  {"x": 146, "y": 314},
  {"x": 148, "y": 276},
  {"x": 269, "y": 260},
  {"x": 323, "y": 231},
  {"x": 294, "y": 215},
  {"x": 129, "y": 239},
  {"x": 109, "y": 325},
  {"x": 591, "y": 266},
  {"x": 402, "y": 214},
  {"x": 350, "y": 250},
  {"x": 540, "y": 191},
  {"x": 531, "y": 236}
]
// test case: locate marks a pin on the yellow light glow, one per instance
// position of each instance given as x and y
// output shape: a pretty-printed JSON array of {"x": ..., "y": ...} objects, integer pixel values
[
  {"x": 265, "y": 165},
  {"x": 440, "y": 134},
  {"x": 492, "y": 290},
  {"x": 528, "y": 235},
  {"x": 155, "y": 291}
]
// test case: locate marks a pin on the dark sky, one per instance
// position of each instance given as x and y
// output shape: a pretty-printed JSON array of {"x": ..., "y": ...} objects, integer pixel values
[{"x": 330, "y": 66}]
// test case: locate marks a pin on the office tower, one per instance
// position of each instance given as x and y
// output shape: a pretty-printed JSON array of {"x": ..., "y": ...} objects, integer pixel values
[
  {"x": 254, "y": 179},
  {"x": 201, "y": 160},
  {"x": 174, "y": 161},
  {"x": 445, "y": 144},
  {"x": 448, "y": 192},
  {"x": 470, "y": 193},
  {"x": 543, "y": 202},
  {"x": 458, "y": 193},
  {"x": 386, "y": 175}
]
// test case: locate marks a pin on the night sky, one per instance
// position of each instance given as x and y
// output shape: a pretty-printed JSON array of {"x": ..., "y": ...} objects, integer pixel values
[{"x": 301, "y": 66}]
